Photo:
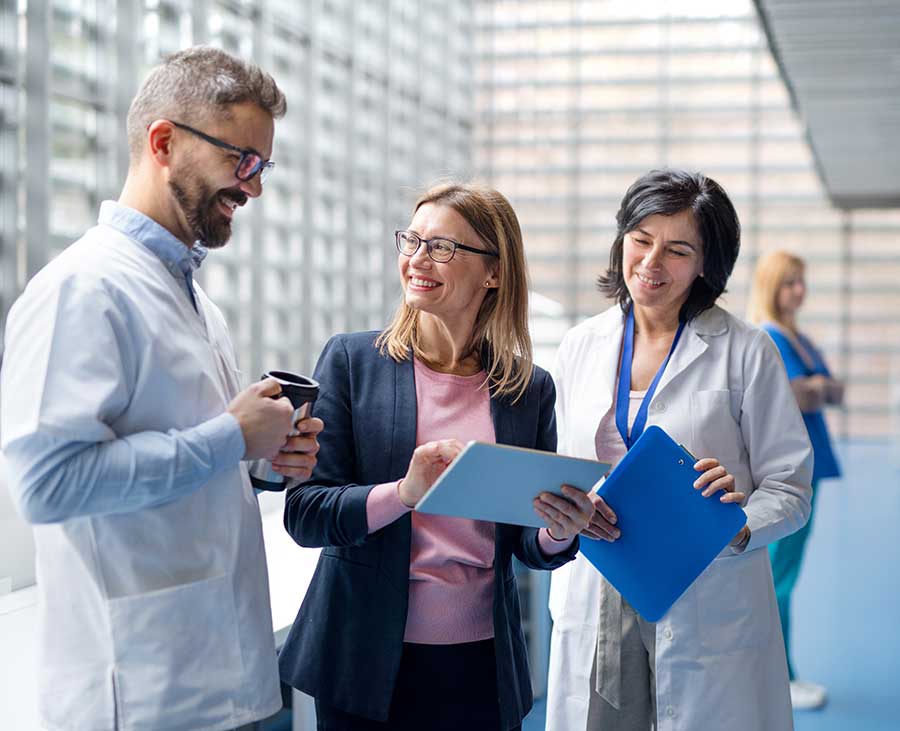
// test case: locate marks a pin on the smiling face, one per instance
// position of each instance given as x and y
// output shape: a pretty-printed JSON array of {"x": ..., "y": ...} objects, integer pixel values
[
  {"x": 202, "y": 180},
  {"x": 791, "y": 293},
  {"x": 452, "y": 291},
  {"x": 661, "y": 258}
]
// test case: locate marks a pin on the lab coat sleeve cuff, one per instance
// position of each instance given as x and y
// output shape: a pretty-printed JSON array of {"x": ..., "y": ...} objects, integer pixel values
[
  {"x": 742, "y": 546},
  {"x": 760, "y": 534},
  {"x": 225, "y": 439}
]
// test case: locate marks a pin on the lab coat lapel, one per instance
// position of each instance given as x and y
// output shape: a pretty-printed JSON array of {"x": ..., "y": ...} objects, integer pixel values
[
  {"x": 587, "y": 389},
  {"x": 607, "y": 370},
  {"x": 692, "y": 344},
  {"x": 691, "y": 347}
]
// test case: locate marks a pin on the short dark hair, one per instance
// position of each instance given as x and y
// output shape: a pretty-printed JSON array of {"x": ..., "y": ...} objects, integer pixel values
[{"x": 668, "y": 192}]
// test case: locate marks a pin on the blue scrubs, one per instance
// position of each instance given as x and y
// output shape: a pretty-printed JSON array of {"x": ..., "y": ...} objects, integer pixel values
[{"x": 786, "y": 555}]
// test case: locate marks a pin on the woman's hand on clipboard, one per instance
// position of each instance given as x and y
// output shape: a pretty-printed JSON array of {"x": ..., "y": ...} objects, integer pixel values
[
  {"x": 716, "y": 478},
  {"x": 603, "y": 521}
]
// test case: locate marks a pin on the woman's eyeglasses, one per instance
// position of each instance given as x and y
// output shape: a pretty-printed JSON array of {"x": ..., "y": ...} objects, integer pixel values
[{"x": 439, "y": 250}]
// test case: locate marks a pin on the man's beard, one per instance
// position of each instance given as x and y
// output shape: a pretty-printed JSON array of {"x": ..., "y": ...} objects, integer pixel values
[{"x": 199, "y": 203}]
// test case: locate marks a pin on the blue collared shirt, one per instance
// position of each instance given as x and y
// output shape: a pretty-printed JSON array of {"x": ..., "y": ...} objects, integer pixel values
[
  {"x": 177, "y": 258},
  {"x": 55, "y": 477}
]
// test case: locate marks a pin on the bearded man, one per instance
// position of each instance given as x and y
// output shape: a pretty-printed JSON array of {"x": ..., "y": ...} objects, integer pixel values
[{"x": 125, "y": 429}]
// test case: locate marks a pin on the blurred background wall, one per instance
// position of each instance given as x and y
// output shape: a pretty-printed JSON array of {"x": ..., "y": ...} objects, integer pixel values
[
  {"x": 560, "y": 104},
  {"x": 379, "y": 103}
]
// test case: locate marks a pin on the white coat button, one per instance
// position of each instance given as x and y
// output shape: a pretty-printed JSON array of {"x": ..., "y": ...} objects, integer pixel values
[
  {"x": 670, "y": 712},
  {"x": 667, "y": 633},
  {"x": 659, "y": 406}
]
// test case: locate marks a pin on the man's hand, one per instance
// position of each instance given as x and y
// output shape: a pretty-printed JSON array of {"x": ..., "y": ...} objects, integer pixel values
[
  {"x": 265, "y": 421},
  {"x": 298, "y": 457}
]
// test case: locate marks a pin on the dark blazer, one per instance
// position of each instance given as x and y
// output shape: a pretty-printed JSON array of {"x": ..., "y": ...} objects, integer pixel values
[{"x": 344, "y": 647}]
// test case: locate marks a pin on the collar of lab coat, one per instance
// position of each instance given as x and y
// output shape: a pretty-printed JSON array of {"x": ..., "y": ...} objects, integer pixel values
[{"x": 609, "y": 328}]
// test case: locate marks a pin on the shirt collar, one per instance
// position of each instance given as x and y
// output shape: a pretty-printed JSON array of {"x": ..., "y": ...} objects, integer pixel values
[{"x": 177, "y": 257}]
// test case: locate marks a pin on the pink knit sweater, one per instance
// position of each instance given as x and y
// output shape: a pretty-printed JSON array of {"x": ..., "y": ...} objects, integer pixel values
[{"x": 451, "y": 568}]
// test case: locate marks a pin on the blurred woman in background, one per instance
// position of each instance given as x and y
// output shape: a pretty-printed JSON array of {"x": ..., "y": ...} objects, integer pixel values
[{"x": 779, "y": 288}]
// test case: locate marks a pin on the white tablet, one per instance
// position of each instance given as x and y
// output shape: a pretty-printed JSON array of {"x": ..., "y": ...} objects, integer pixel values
[{"x": 498, "y": 483}]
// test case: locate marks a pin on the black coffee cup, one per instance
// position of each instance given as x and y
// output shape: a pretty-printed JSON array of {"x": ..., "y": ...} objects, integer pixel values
[{"x": 302, "y": 392}]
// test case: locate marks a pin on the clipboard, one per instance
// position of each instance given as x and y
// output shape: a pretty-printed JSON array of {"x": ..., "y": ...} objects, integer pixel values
[
  {"x": 497, "y": 483},
  {"x": 670, "y": 532}
]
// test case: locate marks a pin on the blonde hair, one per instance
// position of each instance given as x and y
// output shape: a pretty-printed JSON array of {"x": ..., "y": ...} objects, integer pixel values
[
  {"x": 500, "y": 334},
  {"x": 771, "y": 271}
]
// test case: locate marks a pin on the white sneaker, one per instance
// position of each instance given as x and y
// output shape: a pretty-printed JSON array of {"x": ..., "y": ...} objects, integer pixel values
[{"x": 806, "y": 696}]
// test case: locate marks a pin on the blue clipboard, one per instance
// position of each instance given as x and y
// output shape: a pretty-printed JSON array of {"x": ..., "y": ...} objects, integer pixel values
[
  {"x": 498, "y": 483},
  {"x": 670, "y": 532}
]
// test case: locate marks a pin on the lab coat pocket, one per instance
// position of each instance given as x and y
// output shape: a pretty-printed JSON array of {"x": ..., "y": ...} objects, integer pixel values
[
  {"x": 715, "y": 432},
  {"x": 173, "y": 646},
  {"x": 731, "y": 604}
]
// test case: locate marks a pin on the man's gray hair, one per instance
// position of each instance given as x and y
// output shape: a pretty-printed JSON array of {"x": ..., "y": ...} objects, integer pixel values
[{"x": 195, "y": 85}]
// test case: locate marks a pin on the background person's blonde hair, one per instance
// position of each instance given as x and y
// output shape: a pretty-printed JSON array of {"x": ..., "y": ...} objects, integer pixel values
[
  {"x": 771, "y": 271},
  {"x": 501, "y": 326}
]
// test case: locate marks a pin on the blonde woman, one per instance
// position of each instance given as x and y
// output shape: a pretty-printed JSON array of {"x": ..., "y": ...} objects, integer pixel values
[
  {"x": 412, "y": 621},
  {"x": 779, "y": 288}
]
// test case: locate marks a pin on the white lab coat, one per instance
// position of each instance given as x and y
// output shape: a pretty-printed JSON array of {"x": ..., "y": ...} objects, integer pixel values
[
  {"x": 720, "y": 661},
  {"x": 160, "y": 618}
]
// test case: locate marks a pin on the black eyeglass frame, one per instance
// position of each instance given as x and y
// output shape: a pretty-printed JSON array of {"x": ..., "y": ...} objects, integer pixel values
[
  {"x": 263, "y": 166},
  {"x": 429, "y": 243}
]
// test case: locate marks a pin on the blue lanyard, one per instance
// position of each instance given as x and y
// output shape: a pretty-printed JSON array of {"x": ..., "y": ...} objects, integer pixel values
[{"x": 623, "y": 389}]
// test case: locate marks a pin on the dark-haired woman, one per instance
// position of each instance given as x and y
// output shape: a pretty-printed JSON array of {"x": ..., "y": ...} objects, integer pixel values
[{"x": 665, "y": 354}]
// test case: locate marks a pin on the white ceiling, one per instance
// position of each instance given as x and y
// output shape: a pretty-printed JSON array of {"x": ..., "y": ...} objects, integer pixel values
[{"x": 841, "y": 61}]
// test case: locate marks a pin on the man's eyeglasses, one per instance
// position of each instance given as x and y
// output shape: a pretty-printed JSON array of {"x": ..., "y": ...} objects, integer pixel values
[
  {"x": 439, "y": 250},
  {"x": 251, "y": 161}
]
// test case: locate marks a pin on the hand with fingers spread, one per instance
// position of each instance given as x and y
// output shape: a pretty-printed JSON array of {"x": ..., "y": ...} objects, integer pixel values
[
  {"x": 297, "y": 458},
  {"x": 716, "y": 478},
  {"x": 429, "y": 460},
  {"x": 566, "y": 516}
]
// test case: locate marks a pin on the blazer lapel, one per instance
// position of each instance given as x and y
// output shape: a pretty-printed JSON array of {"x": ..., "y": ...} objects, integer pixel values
[
  {"x": 505, "y": 431},
  {"x": 402, "y": 446},
  {"x": 403, "y": 437}
]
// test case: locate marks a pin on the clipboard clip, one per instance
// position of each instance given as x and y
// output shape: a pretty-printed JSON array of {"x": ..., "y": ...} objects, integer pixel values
[{"x": 688, "y": 451}]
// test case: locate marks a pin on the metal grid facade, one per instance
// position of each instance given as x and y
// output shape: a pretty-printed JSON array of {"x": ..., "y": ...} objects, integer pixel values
[
  {"x": 577, "y": 98},
  {"x": 379, "y": 104}
]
